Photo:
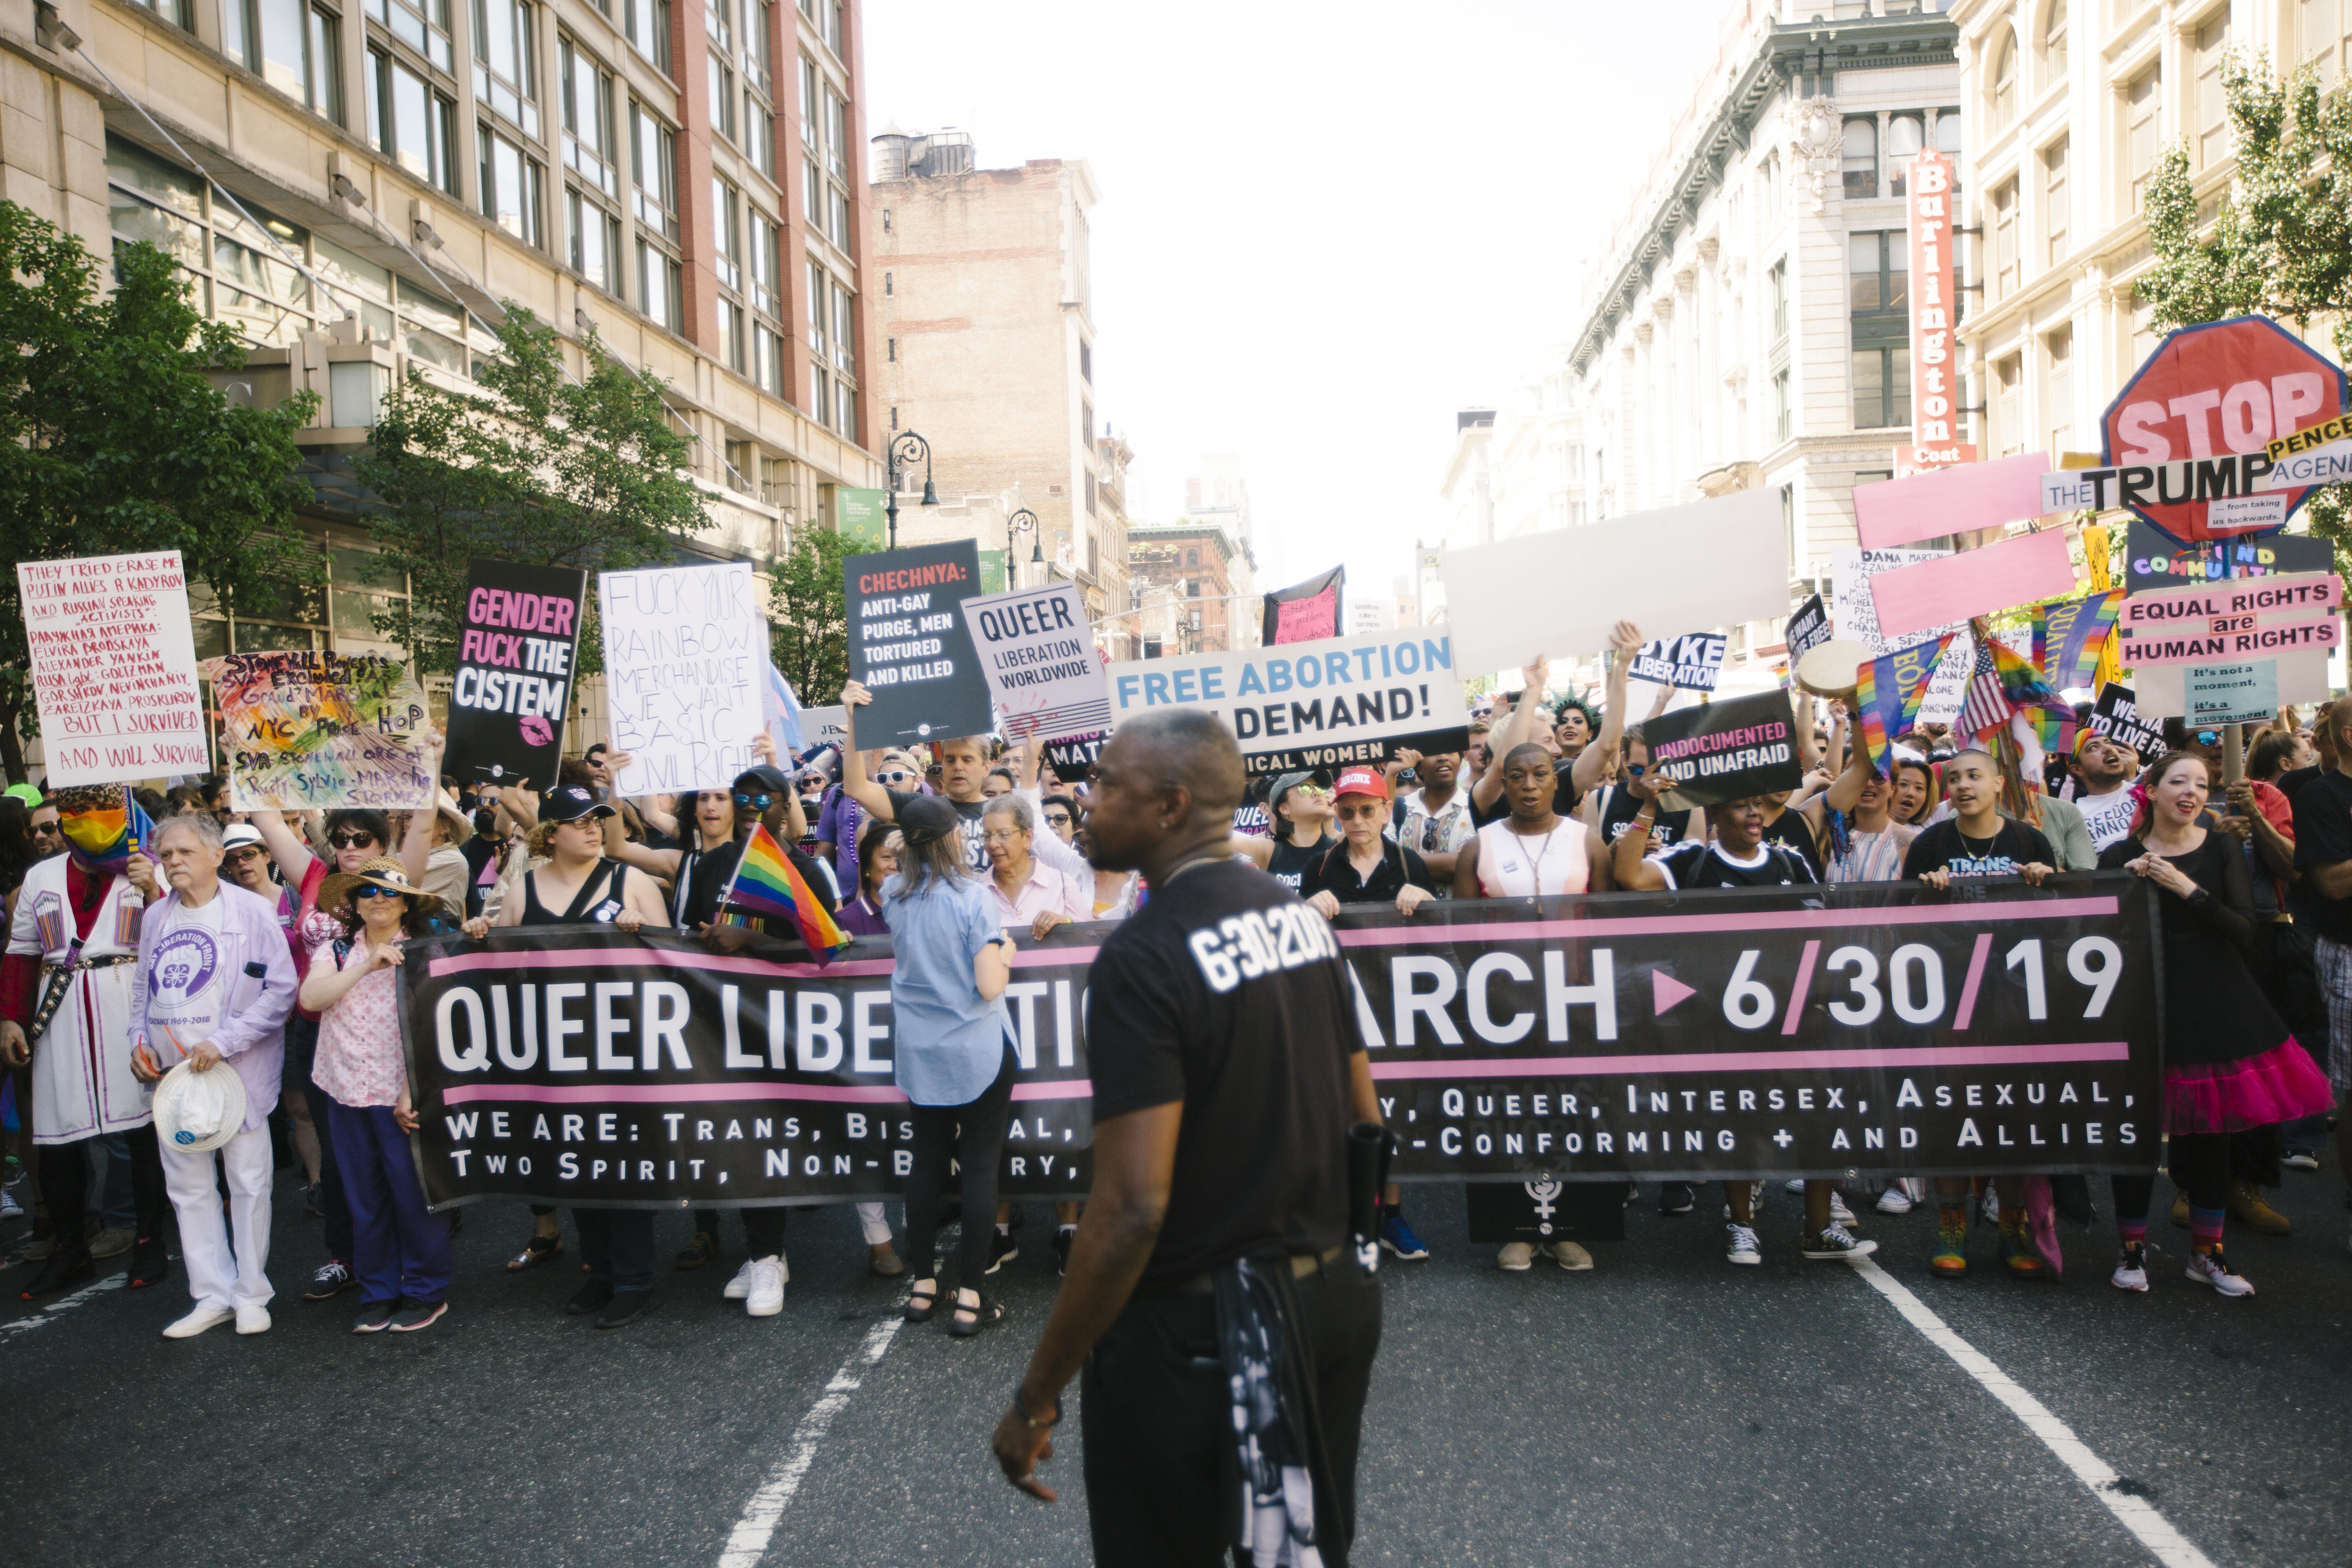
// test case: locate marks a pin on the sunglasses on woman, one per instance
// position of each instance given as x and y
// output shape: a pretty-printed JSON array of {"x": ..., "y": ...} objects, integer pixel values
[
  {"x": 351, "y": 840},
  {"x": 369, "y": 890}
]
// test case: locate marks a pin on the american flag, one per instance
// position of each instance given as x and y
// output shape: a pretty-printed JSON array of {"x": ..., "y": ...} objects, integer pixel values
[{"x": 1988, "y": 705}]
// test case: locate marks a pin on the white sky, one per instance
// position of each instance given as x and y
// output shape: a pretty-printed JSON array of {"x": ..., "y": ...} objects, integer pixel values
[{"x": 1325, "y": 227}]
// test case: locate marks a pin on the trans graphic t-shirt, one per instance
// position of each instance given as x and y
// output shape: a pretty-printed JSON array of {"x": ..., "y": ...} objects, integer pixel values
[
  {"x": 188, "y": 980},
  {"x": 1944, "y": 847}
]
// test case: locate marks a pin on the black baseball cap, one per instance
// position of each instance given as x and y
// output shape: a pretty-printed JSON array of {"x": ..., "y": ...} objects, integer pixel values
[
  {"x": 775, "y": 781},
  {"x": 928, "y": 819},
  {"x": 570, "y": 803}
]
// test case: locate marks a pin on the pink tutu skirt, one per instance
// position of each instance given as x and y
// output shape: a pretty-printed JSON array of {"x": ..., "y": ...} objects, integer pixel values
[{"x": 2281, "y": 1084}]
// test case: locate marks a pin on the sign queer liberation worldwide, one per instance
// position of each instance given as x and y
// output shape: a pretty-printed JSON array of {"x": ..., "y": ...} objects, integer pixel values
[
  {"x": 686, "y": 668},
  {"x": 1037, "y": 649},
  {"x": 1856, "y": 617},
  {"x": 315, "y": 732},
  {"x": 909, "y": 647},
  {"x": 1313, "y": 705},
  {"x": 113, "y": 667},
  {"x": 1856, "y": 1028},
  {"x": 1726, "y": 751},
  {"x": 517, "y": 653},
  {"x": 1689, "y": 663}
]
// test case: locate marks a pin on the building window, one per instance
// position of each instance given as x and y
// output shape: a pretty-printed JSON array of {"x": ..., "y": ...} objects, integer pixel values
[
  {"x": 2004, "y": 80},
  {"x": 2053, "y": 44},
  {"x": 2057, "y": 211},
  {"x": 768, "y": 308},
  {"x": 890, "y": 350},
  {"x": 1861, "y": 158},
  {"x": 660, "y": 292},
  {"x": 726, "y": 262},
  {"x": 1191, "y": 557},
  {"x": 295, "y": 48},
  {"x": 2058, "y": 398},
  {"x": 1878, "y": 267},
  {"x": 648, "y": 29},
  {"x": 1947, "y": 132},
  {"x": 2142, "y": 101},
  {"x": 808, "y": 103},
  {"x": 1767, "y": 200},
  {"x": 844, "y": 410},
  {"x": 1882, "y": 387},
  {"x": 820, "y": 396},
  {"x": 1086, "y": 362},
  {"x": 239, "y": 275},
  {"x": 592, "y": 239},
  {"x": 512, "y": 183},
  {"x": 173, "y": 11},
  {"x": 409, "y": 21},
  {"x": 845, "y": 331},
  {"x": 653, "y": 171},
  {"x": 1905, "y": 135},
  {"x": 504, "y": 73},
  {"x": 2008, "y": 413},
  {"x": 2004, "y": 240},
  {"x": 2320, "y": 29},
  {"x": 411, "y": 122},
  {"x": 2210, "y": 111},
  {"x": 588, "y": 142},
  {"x": 1789, "y": 525},
  {"x": 1782, "y": 412},
  {"x": 1776, "y": 291},
  {"x": 722, "y": 96}
]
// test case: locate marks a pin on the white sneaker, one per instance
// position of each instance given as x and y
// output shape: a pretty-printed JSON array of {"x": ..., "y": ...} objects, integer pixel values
[
  {"x": 253, "y": 1320},
  {"x": 1570, "y": 1257},
  {"x": 1516, "y": 1256},
  {"x": 2212, "y": 1268},
  {"x": 766, "y": 1298},
  {"x": 1992, "y": 1205},
  {"x": 1834, "y": 1243},
  {"x": 1744, "y": 1249},
  {"x": 1839, "y": 1213},
  {"x": 196, "y": 1323},
  {"x": 2131, "y": 1270},
  {"x": 1893, "y": 1200},
  {"x": 1794, "y": 1185},
  {"x": 9, "y": 1207},
  {"x": 740, "y": 1286},
  {"x": 2298, "y": 1161}
]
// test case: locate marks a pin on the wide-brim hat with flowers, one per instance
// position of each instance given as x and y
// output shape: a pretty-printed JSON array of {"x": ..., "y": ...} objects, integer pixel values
[{"x": 384, "y": 871}]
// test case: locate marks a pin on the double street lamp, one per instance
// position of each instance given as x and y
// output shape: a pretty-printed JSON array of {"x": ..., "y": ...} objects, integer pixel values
[
  {"x": 1022, "y": 521},
  {"x": 905, "y": 448}
]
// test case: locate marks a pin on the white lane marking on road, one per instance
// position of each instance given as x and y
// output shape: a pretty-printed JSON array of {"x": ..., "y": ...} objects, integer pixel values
[
  {"x": 2136, "y": 1514},
  {"x": 748, "y": 1543},
  {"x": 48, "y": 1314}
]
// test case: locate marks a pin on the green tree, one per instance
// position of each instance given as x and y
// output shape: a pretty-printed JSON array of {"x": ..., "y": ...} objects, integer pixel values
[
  {"x": 2280, "y": 241},
  {"x": 114, "y": 440},
  {"x": 808, "y": 616},
  {"x": 529, "y": 465}
]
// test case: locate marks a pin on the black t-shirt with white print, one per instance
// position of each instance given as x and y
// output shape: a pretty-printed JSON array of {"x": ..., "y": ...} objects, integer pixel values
[
  {"x": 1944, "y": 847},
  {"x": 1227, "y": 992},
  {"x": 1691, "y": 865},
  {"x": 975, "y": 854}
]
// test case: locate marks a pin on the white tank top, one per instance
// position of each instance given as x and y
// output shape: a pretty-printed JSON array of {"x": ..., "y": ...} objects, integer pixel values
[{"x": 1511, "y": 867}]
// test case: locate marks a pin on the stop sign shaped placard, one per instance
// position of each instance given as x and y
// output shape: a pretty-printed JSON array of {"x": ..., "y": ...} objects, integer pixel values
[{"x": 2213, "y": 391}]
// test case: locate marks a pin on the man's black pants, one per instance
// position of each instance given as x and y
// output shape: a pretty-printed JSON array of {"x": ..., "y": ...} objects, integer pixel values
[{"x": 1159, "y": 1425}]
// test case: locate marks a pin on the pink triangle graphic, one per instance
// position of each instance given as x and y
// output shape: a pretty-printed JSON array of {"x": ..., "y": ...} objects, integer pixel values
[{"x": 1667, "y": 992}]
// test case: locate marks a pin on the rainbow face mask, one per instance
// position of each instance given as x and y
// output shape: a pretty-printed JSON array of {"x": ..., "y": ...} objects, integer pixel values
[{"x": 103, "y": 827}]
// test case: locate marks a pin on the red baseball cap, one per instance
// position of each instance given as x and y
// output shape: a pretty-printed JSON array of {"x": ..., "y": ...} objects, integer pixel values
[{"x": 1362, "y": 781}]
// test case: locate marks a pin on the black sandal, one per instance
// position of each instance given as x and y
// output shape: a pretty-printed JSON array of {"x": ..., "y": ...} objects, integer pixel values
[
  {"x": 921, "y": 1304},
  {"x": 539, "y": 1249},
  {"x": 987, "y": 1315}
]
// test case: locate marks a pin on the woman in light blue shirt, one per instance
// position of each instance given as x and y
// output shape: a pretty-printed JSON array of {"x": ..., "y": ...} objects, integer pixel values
[{"x": 953, "y": 1049}]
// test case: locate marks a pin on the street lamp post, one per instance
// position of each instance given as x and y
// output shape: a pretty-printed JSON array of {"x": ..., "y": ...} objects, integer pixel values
[
  {"x": 1022, "y": 521},
  {"x": 906, "y": 448}
]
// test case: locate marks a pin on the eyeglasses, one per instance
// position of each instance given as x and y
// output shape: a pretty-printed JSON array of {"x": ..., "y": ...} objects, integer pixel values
[
  {"x": 1057, "y": 819},
  {"x": 369, "y": 890},
  {"x": 756, "y": 802},
  {"x": 1002, "y": 834},
  {"x": 246, "y": 853},
  {"x": 351, "y": 840},
  {"x": 1365, "y": 813}
]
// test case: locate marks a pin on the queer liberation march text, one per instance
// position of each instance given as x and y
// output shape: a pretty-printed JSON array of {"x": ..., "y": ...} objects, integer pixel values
[{"x": 1716, "y": 1035}]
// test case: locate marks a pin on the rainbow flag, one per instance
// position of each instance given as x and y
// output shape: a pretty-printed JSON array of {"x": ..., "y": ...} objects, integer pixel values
[
  {"x": 765, "y": 885},
  {"x": 2070, "y": 635},
  {"x": 2053, "y": 719},
  {"x": 1889, "y": 692}
]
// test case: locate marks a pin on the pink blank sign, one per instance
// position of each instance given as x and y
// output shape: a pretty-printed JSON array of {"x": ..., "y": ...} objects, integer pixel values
[
  {"x": 1948, "y": 500},
  {"x": 1973, "y": 583}
]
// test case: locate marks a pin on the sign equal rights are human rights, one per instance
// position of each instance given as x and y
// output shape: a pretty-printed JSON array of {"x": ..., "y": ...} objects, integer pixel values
[
  {"x": 685, "y": 669},
  {"x": 1314, "y": 704},
  {"x": 516, "y": 652},
  {"x": 1714, "y": 1034},
  {"x": 113, "y": 662}
]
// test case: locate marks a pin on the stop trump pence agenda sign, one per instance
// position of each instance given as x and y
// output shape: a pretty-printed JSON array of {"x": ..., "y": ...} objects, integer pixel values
[{"x": 2216, "y": 390}]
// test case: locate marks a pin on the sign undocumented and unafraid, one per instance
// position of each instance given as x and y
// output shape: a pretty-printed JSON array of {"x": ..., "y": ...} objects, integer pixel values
[
  {"x": 1691, "y": 663},
  {"x": 1856, "y": 620},
  {"x": 1312, "y": 705},
  {"x": 1716, "y": 563},
  {"x": 2245, "y": 692},
  {"x": 685, "y": 669},
  {"x": 1726, "y": 751},
  {"x": 113, "y": 662},
  {"x": 1037, "y": 649},
  {"x": 315, "y": 732},
  {"x": 2116, "y": 716},
  {"x": 1823, "y": 1031},
  {"x": 517, "y": 647},
  {"x": 909, "y": 647}
]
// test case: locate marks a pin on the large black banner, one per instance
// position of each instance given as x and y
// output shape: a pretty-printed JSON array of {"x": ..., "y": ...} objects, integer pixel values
[{"x": 1822, "y": 1031}]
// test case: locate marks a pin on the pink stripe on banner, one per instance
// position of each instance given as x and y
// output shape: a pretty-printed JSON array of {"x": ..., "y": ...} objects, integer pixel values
[
  {"x": 1761, "y": 919},
  {"x": 715, "y": 963},
  {"x": 1948, "y": 500},
  {"x": 1974, "y": 583},
  {"x": 713, "y": 1093},
  {"x": 1762, "y": 1062},
  {"x": 1804, "y": 984},
  {"x": 1967, "y": 1007}
]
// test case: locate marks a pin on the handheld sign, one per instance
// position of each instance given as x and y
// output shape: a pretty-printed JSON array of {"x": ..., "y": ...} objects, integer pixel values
[
  {"x": 1724, "y": 751},
  {"x": 113, "y": 667},
  {"x": 1691, "y": 663},
  {"x": 2245, "y": 692},
  {"x": 907, "y": 644},
  {"x": 2116, "y": 716},
  {"x": 1807, "y": 629},
  {"x": 1036, "y": 646},
  {"x": 2154, "y": 560},
  {"x": 685, "y": 667},
  {"x": 517, "y": 650},
  {"x": 310, "y": 732}
]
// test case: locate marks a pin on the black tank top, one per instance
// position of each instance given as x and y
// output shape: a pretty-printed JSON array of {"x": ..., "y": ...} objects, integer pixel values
[
  {"x": 600, "y": 897},
  {"x": 1288, "y": 863},
  {"x": 1619, "y": 808}
]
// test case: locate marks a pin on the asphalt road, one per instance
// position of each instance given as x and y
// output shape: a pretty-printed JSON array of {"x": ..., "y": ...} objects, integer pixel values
[{"x": 1666, "y": 1408}]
